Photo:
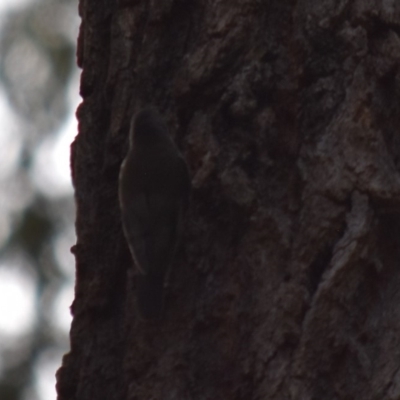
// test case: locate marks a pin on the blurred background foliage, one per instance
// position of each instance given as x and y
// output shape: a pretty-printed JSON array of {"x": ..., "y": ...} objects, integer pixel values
[{"x": 38, "y": 98}]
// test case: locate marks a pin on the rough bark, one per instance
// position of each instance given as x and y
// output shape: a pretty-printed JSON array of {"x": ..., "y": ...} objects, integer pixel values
[{"x": 286, "y": 283}]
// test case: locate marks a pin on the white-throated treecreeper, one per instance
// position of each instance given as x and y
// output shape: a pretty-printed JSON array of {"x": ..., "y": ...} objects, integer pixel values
[{"x": 154, "y": 188}]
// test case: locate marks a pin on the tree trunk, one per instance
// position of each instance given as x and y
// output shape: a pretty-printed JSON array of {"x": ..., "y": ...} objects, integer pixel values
[{"x": 286, "y": 282}]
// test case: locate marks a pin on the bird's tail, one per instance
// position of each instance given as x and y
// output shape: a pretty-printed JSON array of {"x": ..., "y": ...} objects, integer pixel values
[{"x": 150, "y": 295}]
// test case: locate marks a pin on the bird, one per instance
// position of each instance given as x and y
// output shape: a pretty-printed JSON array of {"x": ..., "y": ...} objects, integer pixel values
[{"x": 154, "y": 189}]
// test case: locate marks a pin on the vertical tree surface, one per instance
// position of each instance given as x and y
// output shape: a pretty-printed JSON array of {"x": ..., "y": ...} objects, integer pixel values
[{"x": 286, "y": 283}]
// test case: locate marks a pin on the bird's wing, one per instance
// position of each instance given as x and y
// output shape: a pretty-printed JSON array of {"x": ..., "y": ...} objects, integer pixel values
[
  {"x": 135, "y": 221},
  {"x": 164, "y": 221}
]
